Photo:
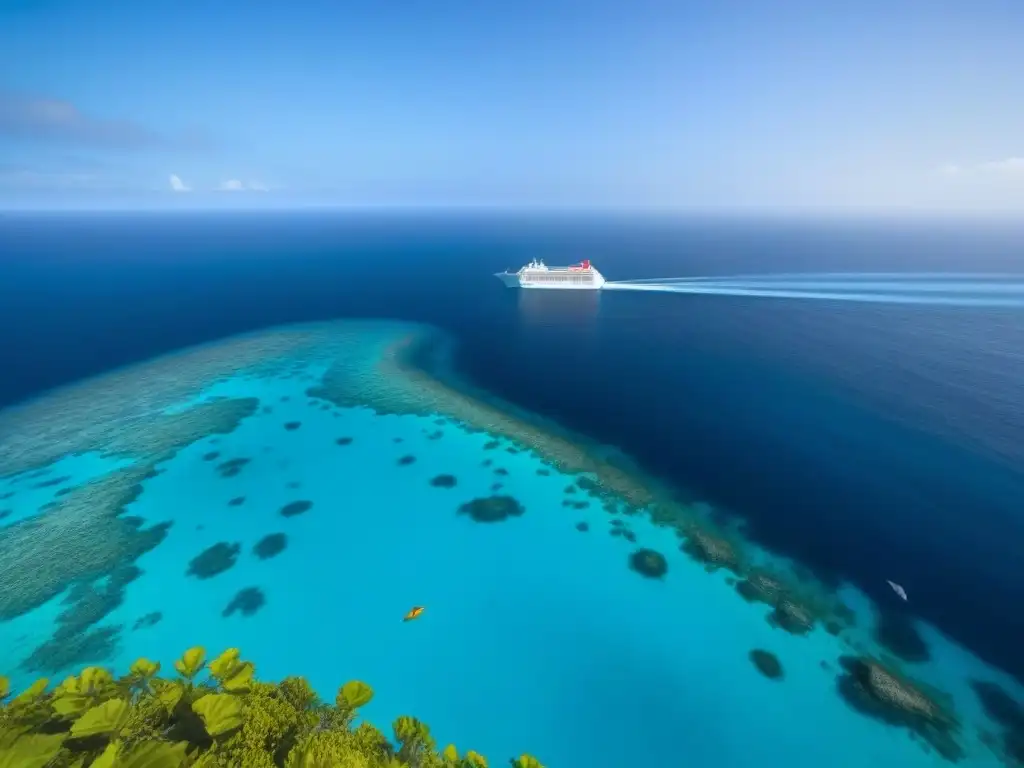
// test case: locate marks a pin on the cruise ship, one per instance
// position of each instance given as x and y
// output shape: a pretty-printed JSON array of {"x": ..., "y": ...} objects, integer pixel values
[{"x": 537, "y": 274}]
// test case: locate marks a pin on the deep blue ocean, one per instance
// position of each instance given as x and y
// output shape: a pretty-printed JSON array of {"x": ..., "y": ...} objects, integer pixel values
[{"x": 865, "y": 441}]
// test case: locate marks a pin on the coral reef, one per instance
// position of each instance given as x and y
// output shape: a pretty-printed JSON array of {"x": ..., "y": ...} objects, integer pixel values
[
  {"x": 895, "y": 631},
  {"x": 767, "y": 663},
  {"x": 293, "y": 508},
  {"x": 620, "y": 531},
  {"x": 237, "y": 501},
  {"x": 1004, "y": 710},
  {"x": 231, "y": 467},
  {"x": 492, "y": 509},
  {"x": 149, "y": 620},
  {"x": 649, "y": 563},
  {"x": 82, "y": 537},
  {"x": 879, "y": 691},
  {"x": 209, "y": 715},
  {"x": 291, "y": 426},
  {"x": 406, "y": 461},
  {"x": 270, "y": 546},
  {"x": 248, "y": 602},
  {"x": 444, "y": 481},
  {"x": 582, "y": 527},
  {"x": 343, "y": 441},
  {"x": 214, "y": 560},
  {"x": 711, "y": 548}
]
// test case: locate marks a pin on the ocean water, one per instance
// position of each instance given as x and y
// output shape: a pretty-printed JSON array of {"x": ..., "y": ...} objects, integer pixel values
[{"x": 837, "y": 445}]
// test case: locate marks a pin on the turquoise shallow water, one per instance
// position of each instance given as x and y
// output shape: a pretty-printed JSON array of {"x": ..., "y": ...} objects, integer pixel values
[{"x": 537, "y": 637}]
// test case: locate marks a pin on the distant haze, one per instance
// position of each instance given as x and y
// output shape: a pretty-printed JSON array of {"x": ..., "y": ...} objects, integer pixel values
[{"x": 704, "y": 105}]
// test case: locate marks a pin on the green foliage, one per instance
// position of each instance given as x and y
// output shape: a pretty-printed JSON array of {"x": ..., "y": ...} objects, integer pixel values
[{"x": 213, "y": 714}]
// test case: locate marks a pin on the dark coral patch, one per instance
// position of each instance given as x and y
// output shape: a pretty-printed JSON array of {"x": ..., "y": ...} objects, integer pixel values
[
  {"x": 543, "y": 472},
  {"x": 248, "y": 602},
  {"x": 211, "y": 456},
  {"x": 270, "y": 546},
  {"x": 398, "y": 440},
  {"x": 490, "y": 445},
  {"x": 1001, "y": 708},
  {"x": 95, "y": 645},
  {"x": 436, "y": 435},
  {"x": 52, "y": 482},
  {"x": 492, "y": 509},
  {"x": 570, "y": 489},
  {"x": 237, "y": 501},
  {"x": 999, "y": 705},
  {"x": 291, "y": 426},
  {"x": 6, "y": 496},
  {"x": 293, "y": 508},
  {"x": 501, "y": 471},
  {"x": 648, "y": 563},
  {"x": 232, "y": 467},
  {"x": 294, "y": 485},
  {"x": 767, "y": 663},
  {"x": 214, "y": 560},
  {"x": 879, "y": 692},
  {"x": 76, "y": 640},
  {"x": 149, "y": 620},
  {"x": 343, "y": 441},
  {"x": 406, "y": 461},
  {"x": 897, "y": 633},
  {"x": 5, "y": 513},
  {"x": 582, "y": 527},
  {"x": 495, "y": 487},
  {"x": 444, "y": 481},
  {"x": 486, "y": 463},
  {"x": 624, "y": 533}
]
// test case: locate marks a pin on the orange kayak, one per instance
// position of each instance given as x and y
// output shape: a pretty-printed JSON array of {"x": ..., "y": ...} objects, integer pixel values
[{"x": 414, "y": 613}]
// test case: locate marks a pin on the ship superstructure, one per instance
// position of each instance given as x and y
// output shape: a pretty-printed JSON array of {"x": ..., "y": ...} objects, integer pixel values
[{"x": 537, "y": 274}]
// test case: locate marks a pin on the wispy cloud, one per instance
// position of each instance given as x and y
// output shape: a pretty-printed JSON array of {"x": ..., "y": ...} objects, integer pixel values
[
  {"x": 234, "y": 185},
  {"x": 54, "y": 121},
  {"x": 177, "y": 185},
  {"x": 1009, "y": 167}
]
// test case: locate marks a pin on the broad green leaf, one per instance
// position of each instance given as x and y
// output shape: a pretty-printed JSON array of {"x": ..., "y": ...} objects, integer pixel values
[
  {"x": 71, "y": 704},
  {"x": 191, "y": 662},
  {"x": 108, "y": 717},
  {"x": 153, "y": 754},
  {"x": 145, "y": 668},
  {"x": 31, "y": 751},
  {"x": 109, "y": 756},
  {"x": 32, "y": 693},
  {"x": 95, "y": 679},
  {"x": 241, "y": 678},
  {"x": 170, "y": 695},
  {"x": 356, "y": 694},
  {"x": 221, "y": 713},
  {"x": 226, "y": 665}
]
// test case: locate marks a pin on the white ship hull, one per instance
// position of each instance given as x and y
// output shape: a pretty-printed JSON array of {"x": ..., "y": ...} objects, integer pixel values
[{"x": 580, "y": 277}]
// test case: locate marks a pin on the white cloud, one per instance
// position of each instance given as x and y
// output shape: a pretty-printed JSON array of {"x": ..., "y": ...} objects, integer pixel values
[
  {"x": 177, "y": 185},
  {"x": 1008, "y": 167},
  {"x": 234, "y": 185},
  {"x": 1011, "y": 165}
]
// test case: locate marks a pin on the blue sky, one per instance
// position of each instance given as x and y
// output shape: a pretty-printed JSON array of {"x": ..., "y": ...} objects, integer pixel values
[{"x": 716, "y": 104}]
